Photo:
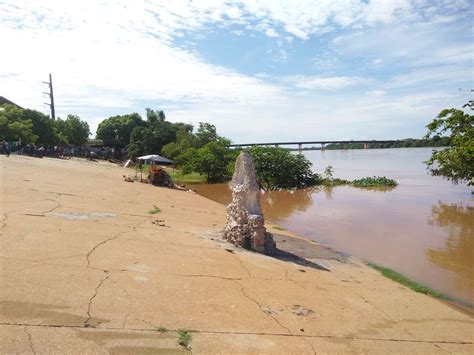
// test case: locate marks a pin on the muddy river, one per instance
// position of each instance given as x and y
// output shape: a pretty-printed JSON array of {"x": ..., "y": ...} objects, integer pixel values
[{"x": 423, "y": 228}]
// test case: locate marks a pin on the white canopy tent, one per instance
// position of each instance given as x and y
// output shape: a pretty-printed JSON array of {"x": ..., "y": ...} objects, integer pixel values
[{"x": 155, "y": 158}]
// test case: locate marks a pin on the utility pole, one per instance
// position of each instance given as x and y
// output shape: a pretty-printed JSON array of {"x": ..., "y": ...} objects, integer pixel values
[{"x": 51, "y": 96}]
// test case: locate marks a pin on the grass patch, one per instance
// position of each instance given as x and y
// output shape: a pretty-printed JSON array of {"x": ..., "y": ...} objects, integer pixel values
[
  {"x": 405, "y": 281},
  {"x": 155, "y": 210},
  {"x": 279, "y": 228},
  {"x": 184, "y": 337},
  {"x": 191, "y": 178},
  {"x": 161, "y": 330},
  {"x": 376, "y": 181}
]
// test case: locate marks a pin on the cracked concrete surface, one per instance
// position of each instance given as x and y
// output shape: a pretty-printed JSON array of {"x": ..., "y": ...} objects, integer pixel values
[{"x": 101, "y": 285}]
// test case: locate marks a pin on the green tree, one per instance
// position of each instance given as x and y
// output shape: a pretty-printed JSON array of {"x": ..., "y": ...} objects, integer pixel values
[
  {"x": 74, "y": 130},
  {"x": 116, "y": 130},
  {"x": 15, "y": 126},
  {"x": 456, "y": 162},
  {"x": 213, "y": 160},
  {"x": 279, "y": 168},
  {"x": 206, "y": 133}
]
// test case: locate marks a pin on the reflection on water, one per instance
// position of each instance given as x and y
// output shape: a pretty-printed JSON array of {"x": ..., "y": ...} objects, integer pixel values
[
  {"x": 457, "y": 252},
  {"x": 422, "y": 228}
]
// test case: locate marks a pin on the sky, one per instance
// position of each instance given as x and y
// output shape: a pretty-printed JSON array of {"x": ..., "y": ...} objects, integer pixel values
[{"x": 260, "y": 70}]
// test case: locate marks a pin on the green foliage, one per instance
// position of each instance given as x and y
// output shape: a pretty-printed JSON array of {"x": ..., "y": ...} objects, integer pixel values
[
  {"x": 375, "y": 181},
  {"x": 14, "y": 126},
  {"x": 328, "y": 171},
  {"x": 157, "y": 133},
  {"x": 279, "y": 168},
  {"x": 395, "y": 276},
  {"x": 184, "y": 337},
  {"x": 74, "y": 130},
  {"x": 205, "y": 134},
  {"x": 161, "y": 330},
  {"x": 32, "y": 126},
  {"x": 213, "y": 160},
  {"x": 116, "y": 130},
  {"x": 456, "y": 162},
  {"x": 155, "y": 210},
  {"x": 181, "y": 178},
  {"x": 435, "y": 141}
]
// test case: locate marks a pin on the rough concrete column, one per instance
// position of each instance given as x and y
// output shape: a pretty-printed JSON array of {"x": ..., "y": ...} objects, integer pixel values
[{"x": 245, "y": 225}]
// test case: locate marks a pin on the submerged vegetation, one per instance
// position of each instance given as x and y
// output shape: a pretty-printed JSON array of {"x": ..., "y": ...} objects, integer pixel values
[
  {"x": 405, "y": 281},
  {"x": 375, "y": 181},
  {"x": 368, "y": 182}
]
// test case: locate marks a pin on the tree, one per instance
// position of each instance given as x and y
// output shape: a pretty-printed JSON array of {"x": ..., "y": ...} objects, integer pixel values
[
  {"x": 141, "y": 142},
  {"x": 116, "y": 130},
  {"x": 279, "y": 168},
  {"x": 456, "y": 163},
  {"x": 205, "y": 133},
  {"x": 75, "y": 130},
  {"x": 213, "y": 160},
  {"x": 14, "y": 126}
]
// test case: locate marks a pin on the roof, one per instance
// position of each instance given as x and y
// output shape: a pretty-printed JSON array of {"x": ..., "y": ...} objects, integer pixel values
[
  {"x": 4, "y": 100},
  {"x": 155, "y": 158}
]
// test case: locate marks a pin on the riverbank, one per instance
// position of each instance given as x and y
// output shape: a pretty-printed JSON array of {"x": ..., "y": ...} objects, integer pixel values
[{"x": 86, "y": 268}]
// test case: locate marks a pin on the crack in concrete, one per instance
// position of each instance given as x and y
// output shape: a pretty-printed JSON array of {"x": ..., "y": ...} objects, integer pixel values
[
  {"x": 243, "y": 266},
  {"x": 261, "y": 308},
  {"x": 322, "y": 336},
  {"x": 57, "y": 193},
  {"x": 89, "y": 306},
  {"x": 88, "y": 255},
  {"x": 30, "y": 340},
  {"x": 5, "y": 219}
]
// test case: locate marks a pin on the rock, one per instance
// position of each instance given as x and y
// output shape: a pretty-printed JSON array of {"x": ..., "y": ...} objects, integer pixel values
[{"x": 245, "y": 225}]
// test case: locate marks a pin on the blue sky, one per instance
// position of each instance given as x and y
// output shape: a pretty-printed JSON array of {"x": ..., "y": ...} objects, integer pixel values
[{"x": 260, "y": 70}]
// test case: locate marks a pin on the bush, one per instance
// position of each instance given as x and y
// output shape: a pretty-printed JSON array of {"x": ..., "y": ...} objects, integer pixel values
[
  {"x": 375, "y": 181},
  {"x": 279, "y": 168}
]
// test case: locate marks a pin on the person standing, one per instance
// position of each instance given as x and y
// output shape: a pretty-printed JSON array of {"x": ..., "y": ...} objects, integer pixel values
[{"x": 6, "y": 148}]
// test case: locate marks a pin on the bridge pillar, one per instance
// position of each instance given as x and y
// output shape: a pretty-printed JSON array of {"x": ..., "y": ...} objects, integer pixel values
[
  {"x": 276, "y": 145},
  {"x": 344, "y": 146},
  {"x": 300, "y": 147},
  {"x": 323, "y": 146},
  {"x": 366, "y": 145}
]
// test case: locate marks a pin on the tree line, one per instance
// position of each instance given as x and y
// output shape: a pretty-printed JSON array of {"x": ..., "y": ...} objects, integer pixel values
[
  {"x": 33, "y": 127},
  {"x": 435, "y": 141},
  {"x": 206, "y": 152}
]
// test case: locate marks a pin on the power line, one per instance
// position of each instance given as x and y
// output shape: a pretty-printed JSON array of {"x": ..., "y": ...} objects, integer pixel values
[{"x": 51, "y": 96}]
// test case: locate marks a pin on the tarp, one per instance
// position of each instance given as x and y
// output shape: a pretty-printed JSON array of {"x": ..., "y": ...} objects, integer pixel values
[{"x": 155, "y": 158}]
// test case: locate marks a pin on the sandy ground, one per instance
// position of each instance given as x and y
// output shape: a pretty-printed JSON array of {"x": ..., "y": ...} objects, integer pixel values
[{"x": 84, "y": 268}]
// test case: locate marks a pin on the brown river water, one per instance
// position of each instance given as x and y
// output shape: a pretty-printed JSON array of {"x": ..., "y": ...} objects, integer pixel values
[{"x": 423, "y": 228}]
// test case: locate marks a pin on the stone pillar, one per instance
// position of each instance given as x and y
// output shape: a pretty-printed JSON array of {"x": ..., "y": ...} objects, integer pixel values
[
  {"x": 245, "y": 225},
  {"x": 300, "y": 147},
  {"x": 323, "y": 145}
]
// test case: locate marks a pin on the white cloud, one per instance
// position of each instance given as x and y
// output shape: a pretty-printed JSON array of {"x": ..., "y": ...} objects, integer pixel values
[
  {"x": 117, "y": 57},
  {"x": 324, "y": 83}
]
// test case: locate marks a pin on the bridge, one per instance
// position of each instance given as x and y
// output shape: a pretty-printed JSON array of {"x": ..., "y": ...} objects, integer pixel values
[{"x": 322, "y": 143}]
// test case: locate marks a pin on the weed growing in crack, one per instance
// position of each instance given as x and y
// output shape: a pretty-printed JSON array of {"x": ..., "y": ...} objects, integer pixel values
[
  {"x": 155, "y": 210},
  {"x": 161, "y": 330},
  {"x": 184, "y": 337}
]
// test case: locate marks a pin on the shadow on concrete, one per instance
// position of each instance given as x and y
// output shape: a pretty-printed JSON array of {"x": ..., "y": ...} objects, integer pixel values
[{"x": 303, "y": 251}]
